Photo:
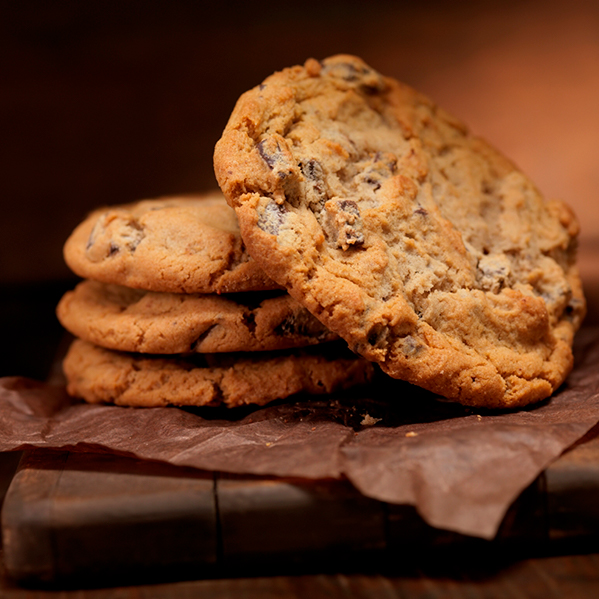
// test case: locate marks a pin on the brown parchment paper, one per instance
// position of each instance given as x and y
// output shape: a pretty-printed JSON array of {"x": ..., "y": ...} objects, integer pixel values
[{"x": 459, "y": 467}]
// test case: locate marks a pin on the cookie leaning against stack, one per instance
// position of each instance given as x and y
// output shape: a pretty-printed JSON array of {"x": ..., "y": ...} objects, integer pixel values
[
  {"x": 418, "y": 243},
  {"x": 143, "y": 344}
]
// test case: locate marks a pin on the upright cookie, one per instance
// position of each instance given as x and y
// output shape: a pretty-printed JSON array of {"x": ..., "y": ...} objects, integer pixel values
[
  {"x": 187, "y": 244},
  {"x": 419, "y": 244},
  {"x": 100, "y": 375},
  {"x": 134, "y": 320}
]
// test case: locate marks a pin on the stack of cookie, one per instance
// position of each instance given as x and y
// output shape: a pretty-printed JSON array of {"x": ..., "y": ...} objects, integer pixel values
[
  {"x": 421, "y": 246},
  {"x": 173, "y": 311}
]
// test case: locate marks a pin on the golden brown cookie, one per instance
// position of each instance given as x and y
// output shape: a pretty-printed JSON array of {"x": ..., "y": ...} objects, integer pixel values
[
  {"x": 101, "y": 375},
  {"x": 134, "y": 320},
  {"x": 187, "y": 244},
  {"x": 418, "y": 243}
]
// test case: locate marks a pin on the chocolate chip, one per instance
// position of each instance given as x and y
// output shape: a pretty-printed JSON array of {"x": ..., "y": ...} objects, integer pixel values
[
  {"x": 312, "y": 170},
  {"x": 218, "y": 397},
  {"x": 267, "y": 155},
  {"x": 314, "y": 184},
  {"x": 352, "y": 237},
  {"x": 249, "y": 320},
  {"x": 411, "y": 347},
  {"x": 112, "y": 234},
  {"x": 379, "y": 167},
  {"x": 271, "y": 150},
  {"x": 375, "y": 184},
  {"x": 304, "y": 325},
  {"x": 194, "y": 345},
  {"x": 350, "y": 206},
  {"x": 371, "y": 90},
  {"x": 345, "y": 70},
  {"x": 272, "y": 217},
  {"x": 291, "y": 326},
  {"x": 376, "y": 334},
  {"x": 573, "y": 309},
  {"x": 276, "y": 154}
]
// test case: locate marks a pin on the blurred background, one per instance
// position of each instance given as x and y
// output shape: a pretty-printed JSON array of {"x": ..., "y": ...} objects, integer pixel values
[{"x": 104, "y": 102}]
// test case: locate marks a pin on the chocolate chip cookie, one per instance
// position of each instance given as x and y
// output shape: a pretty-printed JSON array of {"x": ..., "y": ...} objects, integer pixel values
[
  {"x": 101, "y": 375},
  {"x": 134, "y": 320},
  {"x": 187, "y": 244},
  {"x": 422, "y": 246}
]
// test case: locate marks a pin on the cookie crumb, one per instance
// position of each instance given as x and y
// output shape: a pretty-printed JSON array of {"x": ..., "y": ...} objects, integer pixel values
[
  {"x": 369, "y": 420},
  {"x": 411, "y": 434}
]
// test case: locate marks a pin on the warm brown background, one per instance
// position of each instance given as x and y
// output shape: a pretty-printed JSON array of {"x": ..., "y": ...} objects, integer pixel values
[{"x": 108, "y": 101}]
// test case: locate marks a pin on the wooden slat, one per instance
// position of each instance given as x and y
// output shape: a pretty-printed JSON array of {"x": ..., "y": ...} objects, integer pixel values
[
  {"x": 27, "y": 510},
  {"x": 105, "y": 516},
  {"x": 287, "y": 519},
  {"x": 573, "y": 492}
]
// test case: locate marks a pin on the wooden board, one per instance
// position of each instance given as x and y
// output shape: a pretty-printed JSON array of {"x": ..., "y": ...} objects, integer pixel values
[
  {"x": 69, "y": 514},
  {"x": 102, "y": 517}
]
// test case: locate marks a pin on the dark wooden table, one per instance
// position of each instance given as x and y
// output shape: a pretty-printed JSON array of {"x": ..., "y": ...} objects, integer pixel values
[{"x": 574, "y": 575}]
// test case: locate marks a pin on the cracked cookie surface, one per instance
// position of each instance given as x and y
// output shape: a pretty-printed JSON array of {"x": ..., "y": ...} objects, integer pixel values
[
  {"x": 133, "y": 320},
  {"x": 186, "y": 244},
  {"x": 422, "y": 246},
  {"x": 103, "y": 376}
]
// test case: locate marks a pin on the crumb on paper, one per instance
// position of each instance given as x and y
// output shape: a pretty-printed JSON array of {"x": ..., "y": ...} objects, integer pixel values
[
  {"x": 368, "y": 420},
  {"x": 411, "y": 434},
  {"x": 479, "y": 417},
  {"x": 268, "y": 444}
]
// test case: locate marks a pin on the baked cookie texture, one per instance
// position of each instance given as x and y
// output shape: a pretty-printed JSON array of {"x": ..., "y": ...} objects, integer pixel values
[
  {"x": 133, "y": 320},
  {"x": 182, "y": 244},
  {"x": 428, "y": 251},
  {"x": 103, "y": 376}
]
